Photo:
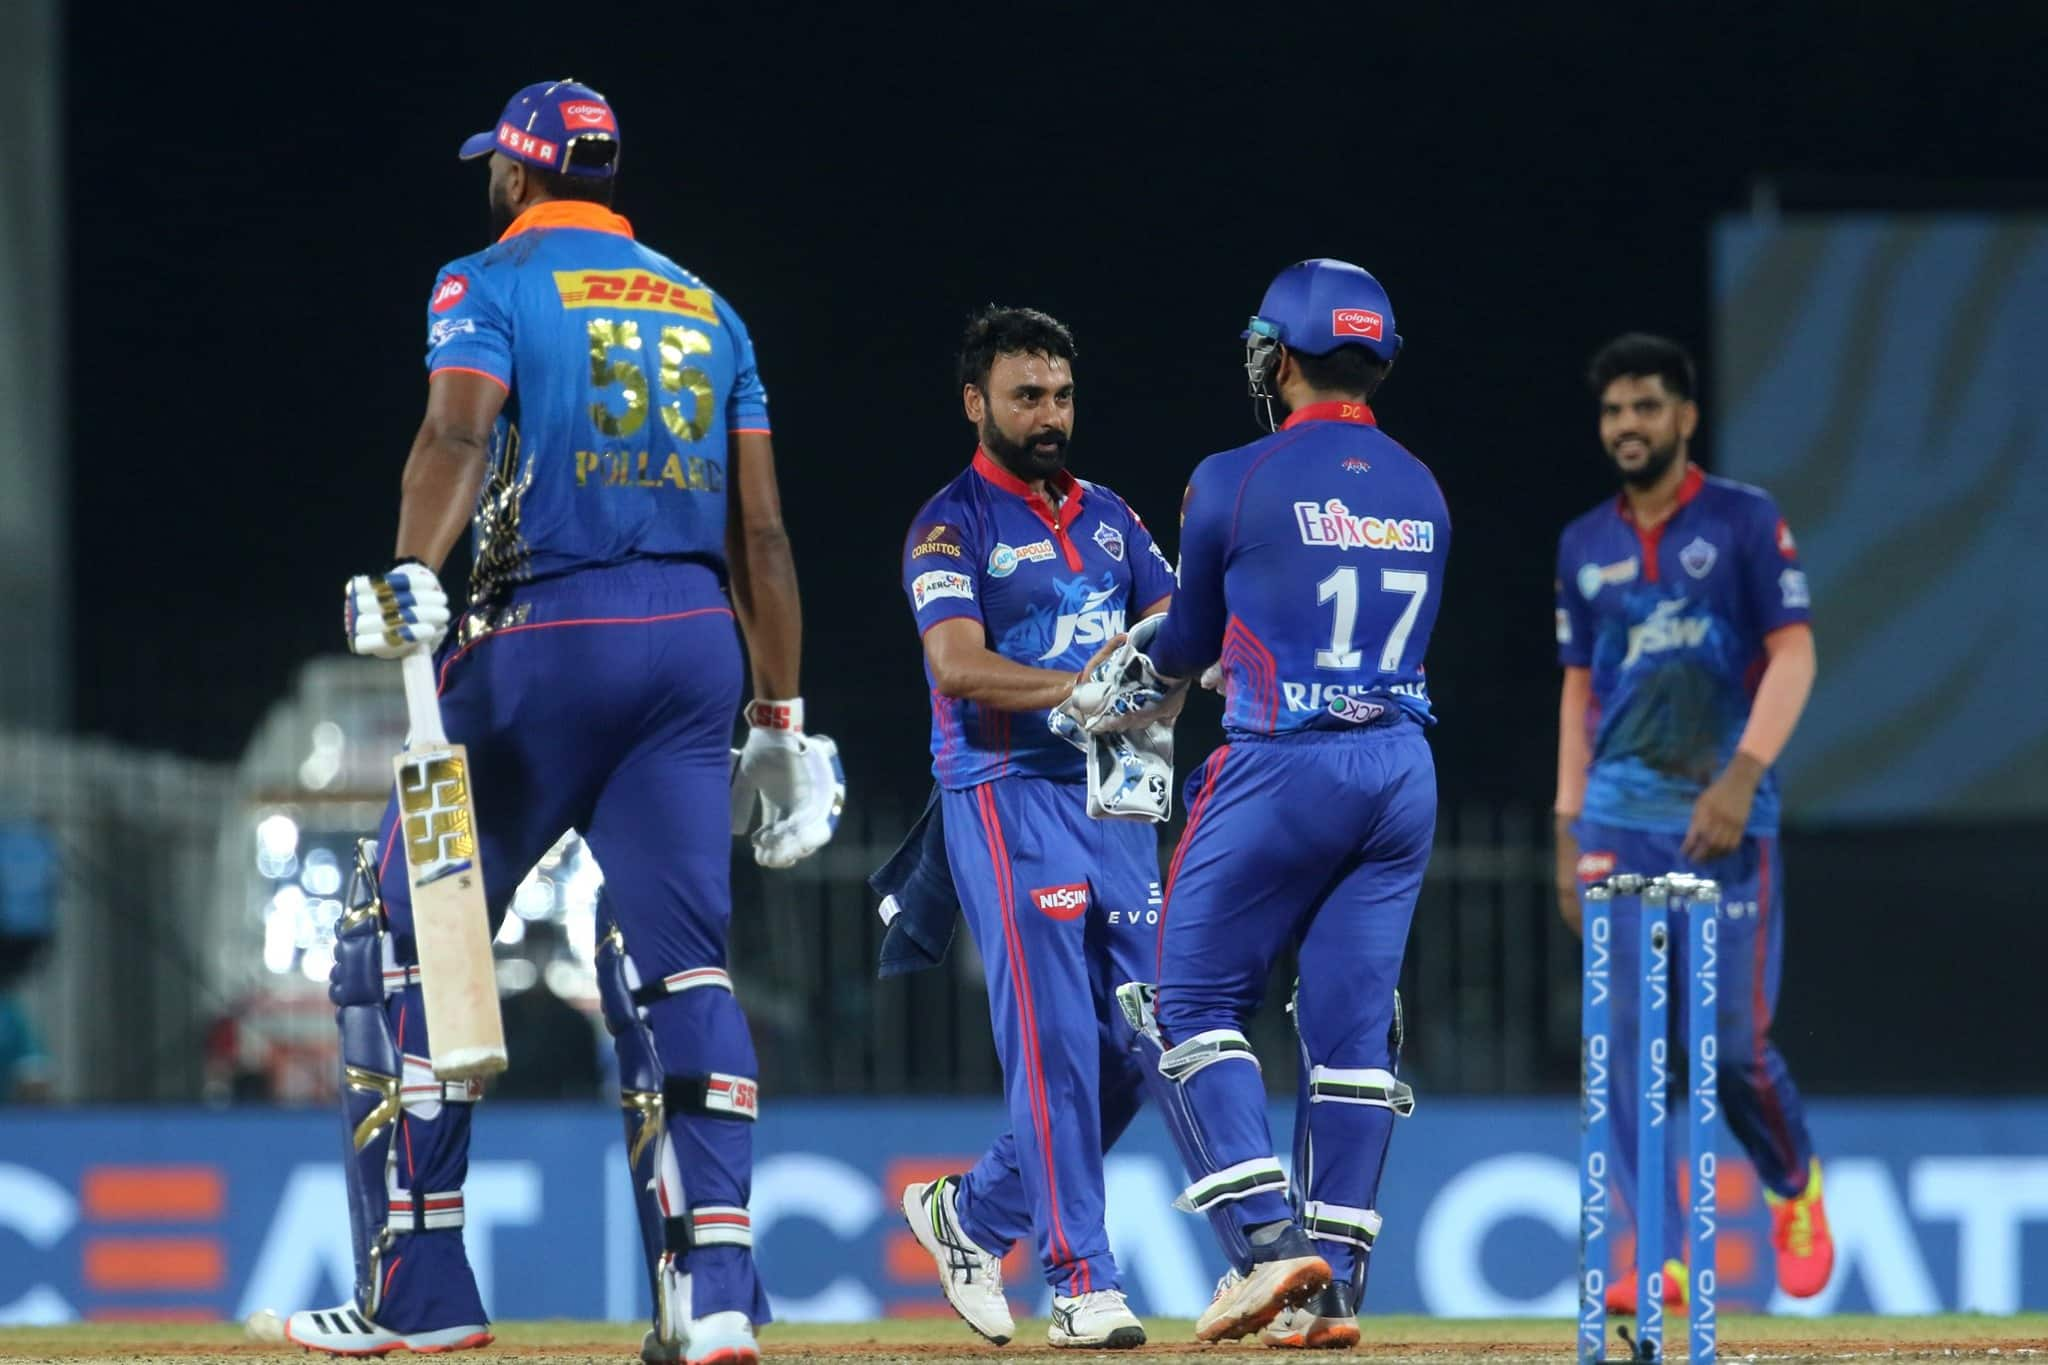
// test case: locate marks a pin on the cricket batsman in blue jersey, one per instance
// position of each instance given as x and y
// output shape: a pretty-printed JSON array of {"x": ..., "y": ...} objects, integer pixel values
[
  {"x": 1018, "y": 574},
  {"x": 1683, "y": 629},
  {"x": 594, "y": 411},
  {"x": 1312, "y": 566}
]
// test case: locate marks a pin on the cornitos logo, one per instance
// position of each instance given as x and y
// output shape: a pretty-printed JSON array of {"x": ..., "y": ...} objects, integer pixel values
[{"x": 1332, "y": 524}]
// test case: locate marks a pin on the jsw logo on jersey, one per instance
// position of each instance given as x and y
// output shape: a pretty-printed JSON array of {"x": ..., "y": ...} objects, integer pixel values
[
  {"x": 1666, "y": 630},
  {"x": 1091, "y": 625}
]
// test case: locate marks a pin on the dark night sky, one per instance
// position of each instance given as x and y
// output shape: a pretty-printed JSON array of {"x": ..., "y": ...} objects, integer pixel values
[{"x": 257, "y": 213}]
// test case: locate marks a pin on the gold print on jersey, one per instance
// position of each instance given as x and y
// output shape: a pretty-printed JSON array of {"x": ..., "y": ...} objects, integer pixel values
[
  {"x": 676, "y": 378},
  {"x": 501, "y": 552},
  {"x": 607, "y": 336},
  {"x": 637, "y": 469}
]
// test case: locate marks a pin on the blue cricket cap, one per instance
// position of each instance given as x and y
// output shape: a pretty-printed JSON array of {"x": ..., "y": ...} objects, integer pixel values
[
  {"x": 558, "y": 126},
  {"x": 1316, "y": 306}
]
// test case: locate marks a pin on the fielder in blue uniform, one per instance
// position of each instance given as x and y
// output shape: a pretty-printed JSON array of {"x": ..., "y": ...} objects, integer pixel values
[
  {"x": 595, "y": 411},
  {"x": 1312, "y": 566},
  {"x": 1682, "y": 626},
  {"x": 1018, "y": 573}
]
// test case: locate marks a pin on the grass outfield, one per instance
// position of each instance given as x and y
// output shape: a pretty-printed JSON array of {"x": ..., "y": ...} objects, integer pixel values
[{"x": 1435, "y": 1340}]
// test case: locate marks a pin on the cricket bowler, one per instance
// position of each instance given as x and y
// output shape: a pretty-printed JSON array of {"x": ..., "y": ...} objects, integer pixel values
[
  {"x": 1018, "y": 573},
  {"x": 1683, "y": 629}
]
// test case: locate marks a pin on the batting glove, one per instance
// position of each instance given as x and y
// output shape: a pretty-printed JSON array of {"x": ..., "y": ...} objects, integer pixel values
[
  {"x": 797, "y": 780},
  {"x": 395, "y": 613}
]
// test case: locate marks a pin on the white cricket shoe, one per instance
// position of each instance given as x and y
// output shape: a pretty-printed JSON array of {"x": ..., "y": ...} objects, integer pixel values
[
  {"x": 1245, "y": 1304},
  {"x": 1327, "y": 1322},
  {"x": 1099, "y": 1318},
  {"x": 971, "y": 1277},
  {"x": 723, "y": 1339},
  {"x": 344, "y": 1331}
]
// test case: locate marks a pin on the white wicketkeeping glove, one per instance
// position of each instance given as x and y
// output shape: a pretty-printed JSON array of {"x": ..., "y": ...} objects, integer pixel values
[
  {"x": 797, "y": 779},
  {"x": 1124, "y": 691},
  {"x": 391, "y": 614},
  {"x": 1130, "y": 772}
]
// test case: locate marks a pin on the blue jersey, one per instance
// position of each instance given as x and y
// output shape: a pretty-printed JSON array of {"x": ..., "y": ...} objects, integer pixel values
[
  {"x": 624, "y": 376},
  {"x": 1311, "y": 565},
  {"x": 1048, "y": 587},
  {"x": 1671, "y": 620}
]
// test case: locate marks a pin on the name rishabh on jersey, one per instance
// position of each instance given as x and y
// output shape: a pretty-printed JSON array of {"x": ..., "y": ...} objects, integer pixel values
[
  {"x": 1312, "y": 565},
  {"x": 1671, "y": 621},
  {"x": 625, "y": 374},
  {"x": 1048, "y": 587}
]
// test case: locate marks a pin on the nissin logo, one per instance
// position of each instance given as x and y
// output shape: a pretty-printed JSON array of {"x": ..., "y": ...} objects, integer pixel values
[{"x": 1062, "y": 902}]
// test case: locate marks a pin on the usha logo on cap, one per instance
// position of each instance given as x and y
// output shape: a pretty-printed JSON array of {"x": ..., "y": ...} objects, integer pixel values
[
  {"x": 527, "y": 145},
  {"x": 588, "y": 114},
  {"x": 1357, "y": 322}
]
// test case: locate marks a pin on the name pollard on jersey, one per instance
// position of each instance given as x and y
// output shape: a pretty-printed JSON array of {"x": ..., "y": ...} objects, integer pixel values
[{"x": 623, "y": 458}]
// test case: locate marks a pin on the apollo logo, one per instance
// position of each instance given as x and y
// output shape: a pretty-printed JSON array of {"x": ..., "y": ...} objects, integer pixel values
[{"x": 1062, "y": 902}]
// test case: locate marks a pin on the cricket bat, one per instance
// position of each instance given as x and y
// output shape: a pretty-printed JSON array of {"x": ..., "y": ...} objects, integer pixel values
[{"x": 437, "y": 822}]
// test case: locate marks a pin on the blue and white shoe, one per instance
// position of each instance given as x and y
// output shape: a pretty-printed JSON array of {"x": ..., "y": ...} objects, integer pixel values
[
  {"x": 971, "y": 1276},
  {"x": 344, "y": 1331}
]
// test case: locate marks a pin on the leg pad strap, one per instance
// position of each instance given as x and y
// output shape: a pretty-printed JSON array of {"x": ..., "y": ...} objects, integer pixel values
[
  {"x": 716, "y": 1095},
  {"x": 1368, "y": 1085},
  {"x": 1241, "y": 1181},
  {"x": 1183, "y": 1060},
  {"x": 1339, "y": 1223}
]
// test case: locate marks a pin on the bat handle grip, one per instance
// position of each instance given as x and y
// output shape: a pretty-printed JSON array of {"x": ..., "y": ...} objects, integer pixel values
[{"x": 422, "y": 699}]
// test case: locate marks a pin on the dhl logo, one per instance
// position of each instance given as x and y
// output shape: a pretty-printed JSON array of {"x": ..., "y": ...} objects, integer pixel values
[{"x": 633, "y": 289}]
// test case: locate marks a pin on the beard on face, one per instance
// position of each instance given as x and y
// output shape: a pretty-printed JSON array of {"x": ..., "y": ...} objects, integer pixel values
[
  {"x": 501, "y": 210},
  {"x": 1652, "y": 468},
  {"x": 1025, "y": 459}
]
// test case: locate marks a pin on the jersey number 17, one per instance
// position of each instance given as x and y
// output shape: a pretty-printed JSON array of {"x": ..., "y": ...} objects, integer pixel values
[{"x": 1342, "y": 587}]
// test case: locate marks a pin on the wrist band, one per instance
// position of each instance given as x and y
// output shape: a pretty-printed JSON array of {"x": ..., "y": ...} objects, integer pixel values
[{"x": 777, "y": 715}]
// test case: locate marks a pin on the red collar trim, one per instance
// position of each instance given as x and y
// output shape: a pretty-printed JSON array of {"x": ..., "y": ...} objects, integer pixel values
[
  {"x": 569, "y": 213},
  {"x": 1360, "y": 413},
  {"x": 1069, "y": 489},
  {"x": 1688, "y": 488}
]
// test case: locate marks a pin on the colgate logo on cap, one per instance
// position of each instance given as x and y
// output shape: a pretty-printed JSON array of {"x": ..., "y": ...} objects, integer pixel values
[
  {"x": 588, "y": 114},
  {"x": 1358, "y": 322},
  {"x": 1062, "y": 902},
  {"x": 450, "y": 293}
]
